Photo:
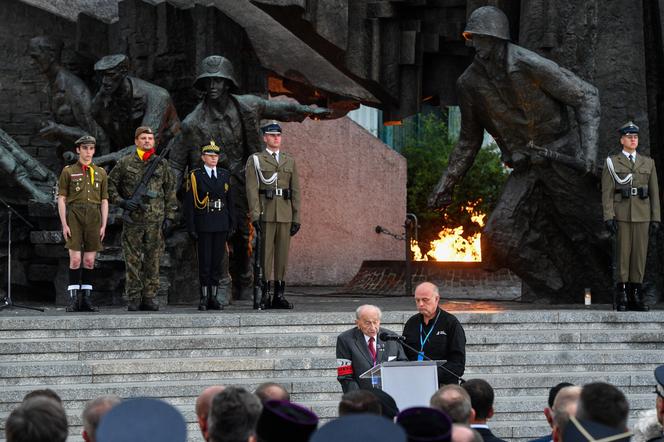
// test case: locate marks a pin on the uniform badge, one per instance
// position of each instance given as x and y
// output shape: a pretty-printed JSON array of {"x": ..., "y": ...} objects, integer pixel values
[
  {"x": 226, "y": 187},
  {"x": 78, "y": 189}
]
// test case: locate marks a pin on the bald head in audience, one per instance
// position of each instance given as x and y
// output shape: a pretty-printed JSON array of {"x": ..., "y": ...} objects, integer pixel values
[
  {"x": 271, "y": 391},
  {"x": 564, "y": 406},
  {"x": 203, "y": 404}
]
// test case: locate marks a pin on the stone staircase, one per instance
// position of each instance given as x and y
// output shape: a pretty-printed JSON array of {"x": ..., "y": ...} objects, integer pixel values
[{"x": 174, "y": 355}]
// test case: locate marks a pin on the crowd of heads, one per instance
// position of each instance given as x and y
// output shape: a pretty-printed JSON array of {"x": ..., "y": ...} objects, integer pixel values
[{"x": 233, "y": 414}]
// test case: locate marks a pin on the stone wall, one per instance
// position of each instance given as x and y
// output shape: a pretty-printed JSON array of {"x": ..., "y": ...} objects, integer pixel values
[{"x": 351, "y": 182}]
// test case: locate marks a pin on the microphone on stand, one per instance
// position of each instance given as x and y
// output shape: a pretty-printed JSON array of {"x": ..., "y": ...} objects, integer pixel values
[{"x": 384, "y": 336}]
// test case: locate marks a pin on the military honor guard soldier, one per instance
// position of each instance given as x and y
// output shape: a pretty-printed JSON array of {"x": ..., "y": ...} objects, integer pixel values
[
  {"x": 83, "y": 211},
  {"x": 209, "y": 213},
  {"x": 273, "y": 195},
  {"x": 630, "y": 201},
  {"x": 149, "y": 220}
]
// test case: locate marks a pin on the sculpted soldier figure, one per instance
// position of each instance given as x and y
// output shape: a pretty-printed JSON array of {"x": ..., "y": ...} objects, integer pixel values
[
  {"x": 233, "y": 120},
  {"x": 273, "y": 193},
  {"x": 69, "y": 98},
  {"x": 630, "y": 198},
  {"x": 124, "y": 102},
  {"x": 545, "y": 227},
  {"x": 208, "y": 210},
  {"x": 149, "y": 220},
  {"x": 83, "y": 210},
  {"x": 24, "y": 171}
]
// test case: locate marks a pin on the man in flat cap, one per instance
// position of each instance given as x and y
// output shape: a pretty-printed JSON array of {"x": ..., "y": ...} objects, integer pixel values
[
  {"x": 233, "y": 120},
  {"x": 630, "y": 199},
  {"x": 273, "y": 194},
  {"x": 210, "y": 216},
  {"x": 124, "y": 102},
  {"x": 83, "y": 211},
  {"x": 149, "y": 220}
]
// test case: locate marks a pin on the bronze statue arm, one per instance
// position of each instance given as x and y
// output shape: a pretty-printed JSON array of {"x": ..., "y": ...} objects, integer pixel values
[
  {"x": 290, "y": 111},
  {"x": 462, "y": 156},
  {"x": 579, "y": 94}
]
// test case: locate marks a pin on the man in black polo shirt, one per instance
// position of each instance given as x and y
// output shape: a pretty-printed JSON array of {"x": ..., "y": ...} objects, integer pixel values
[{"x": 437, "y": 334}]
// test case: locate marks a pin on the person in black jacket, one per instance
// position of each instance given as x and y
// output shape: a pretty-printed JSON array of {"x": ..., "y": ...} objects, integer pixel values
[
  {"x": 437, "y": 334},
  {"x": 208, "y": 210},
  {"x": 481, "y": 398}
]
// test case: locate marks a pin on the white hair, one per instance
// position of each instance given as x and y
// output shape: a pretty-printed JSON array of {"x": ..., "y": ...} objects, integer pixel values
[{"x": 358, "y": 311}]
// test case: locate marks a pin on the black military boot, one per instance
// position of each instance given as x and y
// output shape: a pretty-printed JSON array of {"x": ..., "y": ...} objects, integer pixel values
[
  {"x": 621, "y": 297},
  {"x": 149, "y": 305},
  {"x": 73, "y": 300},
  {"x": 266, "y": 300},
  {"x": 279, "y": 301},
  {"x": 213, "y": 302},
  {"x": 85, "y": 302},
  {"x": 202, "y": 305},
  {"x": 636, "y": 303}
]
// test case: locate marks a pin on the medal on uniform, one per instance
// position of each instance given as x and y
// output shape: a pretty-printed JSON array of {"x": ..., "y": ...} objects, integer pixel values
[{"x": 78, "y": 189}]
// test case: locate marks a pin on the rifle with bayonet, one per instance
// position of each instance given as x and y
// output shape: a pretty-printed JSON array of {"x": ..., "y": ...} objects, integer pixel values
[{"x": 258, "y": 271}]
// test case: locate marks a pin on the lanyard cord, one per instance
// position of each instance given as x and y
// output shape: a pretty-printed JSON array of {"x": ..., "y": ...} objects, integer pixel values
[{"x": 426, "y": 338}]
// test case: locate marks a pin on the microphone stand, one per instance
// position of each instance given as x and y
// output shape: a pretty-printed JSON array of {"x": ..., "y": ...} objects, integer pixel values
[
  {"x": 402, "y": 342},
  {"x": 7, "y": 301}
]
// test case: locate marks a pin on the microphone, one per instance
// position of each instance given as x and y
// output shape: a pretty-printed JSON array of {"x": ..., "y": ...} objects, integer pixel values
[{"x": 385, "y": 336}]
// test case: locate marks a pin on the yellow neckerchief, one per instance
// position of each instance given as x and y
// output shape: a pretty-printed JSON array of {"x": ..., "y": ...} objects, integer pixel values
[
  {"x": 84, "y": 167},
  {"x": 198, "y": 203}
]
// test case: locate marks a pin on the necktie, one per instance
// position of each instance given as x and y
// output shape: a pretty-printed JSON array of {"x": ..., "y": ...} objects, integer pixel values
[
  {"x": 214, "y": 174},
  {"x": 274, "y": 155},
  {"x": 372, "y": 349},
  {"x": 631, "y": 158}
]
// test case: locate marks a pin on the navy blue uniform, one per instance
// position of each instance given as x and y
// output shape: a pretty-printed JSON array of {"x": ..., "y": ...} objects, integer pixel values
[{"x": 209, "y": 211}]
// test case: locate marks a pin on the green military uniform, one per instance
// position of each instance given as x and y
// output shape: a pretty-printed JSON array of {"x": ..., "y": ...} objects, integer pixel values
[
  {"x": 142, "y": 239},
  {"x": 276, "y": 203},
  {"x": 84, "y": 187},
  {"x": 633, "y": 203}
]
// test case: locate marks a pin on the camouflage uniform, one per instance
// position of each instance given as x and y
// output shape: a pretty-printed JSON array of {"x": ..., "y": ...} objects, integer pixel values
[{"x": 142, "y": 239}]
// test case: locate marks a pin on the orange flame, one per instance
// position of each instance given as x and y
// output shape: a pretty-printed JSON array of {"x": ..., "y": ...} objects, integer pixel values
[{"x": 451, "y": 245}]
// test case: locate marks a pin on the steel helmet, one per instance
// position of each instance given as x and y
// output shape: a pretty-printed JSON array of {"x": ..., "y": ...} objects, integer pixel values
[
  {"x": 215, "y": 66},
  {"x": 488, "y": 20}
]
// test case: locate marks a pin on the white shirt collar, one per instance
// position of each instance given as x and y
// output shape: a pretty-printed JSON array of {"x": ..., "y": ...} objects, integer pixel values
[
  {"x": 272, "y": 152},
  {"x": 209, "y": 170},
  {"x": 627, "y": 154},
  {"x": 485, "y": 426},
  {"x": 366, "y": 338}
]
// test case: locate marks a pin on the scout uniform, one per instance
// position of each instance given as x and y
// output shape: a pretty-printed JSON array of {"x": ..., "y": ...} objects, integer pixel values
[
  {"x": 273, "y": 194},
  {"x": 142, "y": 237},
  {"x": 209, "y": 213},
  {"x": 84, "y": 187},
  {"x": 630, "y": 199}
]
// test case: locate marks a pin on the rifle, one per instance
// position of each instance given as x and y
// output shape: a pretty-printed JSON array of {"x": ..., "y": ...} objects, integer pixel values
[
  {"x": 614, "y": 266},
  {"x": 567, "y": 160},
  {"x": 141, "y": 191},
  {"x": 258, "y": 273}
]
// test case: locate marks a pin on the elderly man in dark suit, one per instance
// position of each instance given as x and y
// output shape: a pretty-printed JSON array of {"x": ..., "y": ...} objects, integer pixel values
[{"x": 360, "y": 348}]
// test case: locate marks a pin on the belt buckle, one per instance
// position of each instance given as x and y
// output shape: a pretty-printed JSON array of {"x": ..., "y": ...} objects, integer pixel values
[
  {"x": 633, "y": 191},
  {"x": 217, "y": 204},
  {"x": 279, "y": 192}
]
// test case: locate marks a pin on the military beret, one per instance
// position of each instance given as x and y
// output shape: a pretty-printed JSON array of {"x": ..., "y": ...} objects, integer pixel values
[
  {"x": 424, "y": 424},
  {"x": 283, "y": 420},
  {"x": 111, "y": 61},
  {"x": 628, "y": 128},
  {"x": 360, "y": 428},
  {"x": 142, "y": 419},
  {"x": 85, "y": 139},
  {"x": 585, "y": 431},
  {"x": 659, "y": 377},
  {"x": 271, "y": 128},
  {"x": 211, "y": 148},
  {"x": 142, "y": 130}
]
